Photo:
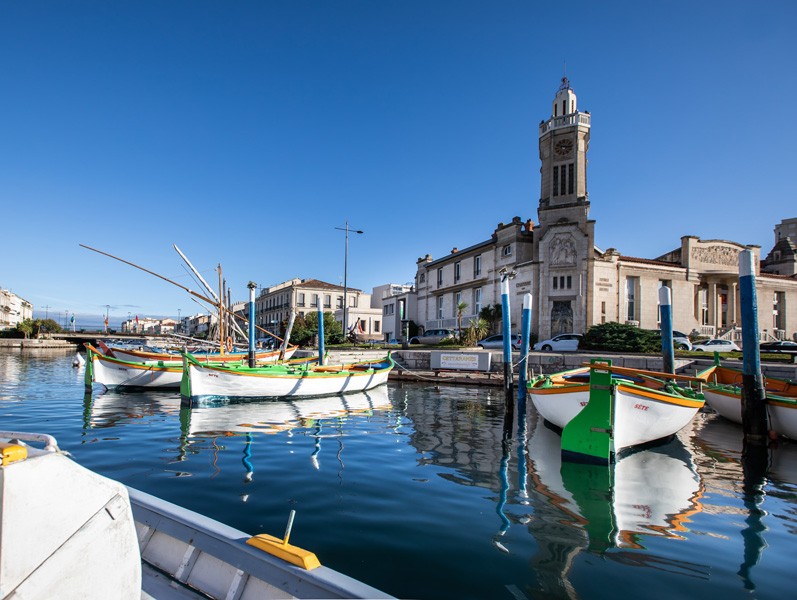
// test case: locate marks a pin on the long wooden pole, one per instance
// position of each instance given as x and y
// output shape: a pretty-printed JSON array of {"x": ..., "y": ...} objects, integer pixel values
[
  {"x": 179, "y": 285},
  {"x": 221, "y": 314}
]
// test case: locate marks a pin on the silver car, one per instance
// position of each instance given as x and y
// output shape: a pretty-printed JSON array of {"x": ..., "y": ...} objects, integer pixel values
[
  {"x": 433, "y": 336},
  {"x": 497, "y": 341}
]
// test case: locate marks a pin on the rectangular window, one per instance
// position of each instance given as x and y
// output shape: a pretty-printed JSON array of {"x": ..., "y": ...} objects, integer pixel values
[
  {"x": 457, "y": 270},
  {"x": 555, "y": 283},
  {"x": 569, "y": 282},
  {"x": 376, "y": 326},
  {"x": 570, "y": 177},
  {"x": 477, "y": 301},
  {"x": 477, "y": 265},
  {"x": 439, "y": 277},
  {"x": 402, "y": 303},
  {"x": 603, "y": 311},
  {"x": 457, "y": 301},
  {"x": 561, "y": 282},
  {"x": 340, "y": 302},
  {"x": 556, "y": 181},
  {"x": 327, "y": 301},
  {"x": 439, "y": 307},
  {"x": 630, "y": 298},
  {"x": 507, "y": 250},
  {"x": 562, "y": 182},
  {"x": 314, "y": 300}
]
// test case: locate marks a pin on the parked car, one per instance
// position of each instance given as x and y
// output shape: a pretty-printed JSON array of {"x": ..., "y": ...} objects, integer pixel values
[
  {"x": 680, "y": 340},
  {"x": 497, "y": 341},
  {"x": 433, "y": 336},
  {"x": 565, "y": 342},
  {"x": 716, "y": 345},
  {"x": 782, "y": 346}
]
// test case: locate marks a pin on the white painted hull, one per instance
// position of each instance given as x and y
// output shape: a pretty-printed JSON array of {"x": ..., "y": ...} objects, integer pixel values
[
  {"x": 783, "y": 417},
  {"x": 782, "y": 413},
  {"x": 207, "y": 381},
  {"x": 727, "y": 404},
  {"x": 639, "y": 417},
  {"x": 112, "y": 374},
  {"x": 70, "y": 533}
]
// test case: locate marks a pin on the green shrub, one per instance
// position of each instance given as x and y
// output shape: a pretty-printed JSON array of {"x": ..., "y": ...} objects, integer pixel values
[{"x": 617, "y": 337}]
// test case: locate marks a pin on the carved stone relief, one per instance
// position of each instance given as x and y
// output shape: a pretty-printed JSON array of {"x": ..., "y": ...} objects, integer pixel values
[
  {"x": 717, "y": 255},
  {"x": 563, "y": 250}
]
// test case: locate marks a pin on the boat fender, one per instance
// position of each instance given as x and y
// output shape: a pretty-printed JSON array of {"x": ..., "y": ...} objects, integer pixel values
[
  {"x": 229, "y": 344},
  {"x": 10, "y": 453},
  {"x": 287, "y": 552}
]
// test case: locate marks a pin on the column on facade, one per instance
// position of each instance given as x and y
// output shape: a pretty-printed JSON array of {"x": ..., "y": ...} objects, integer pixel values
[
  {"x": 713, "y": 317},
  {"x": 732, "y": 304}
]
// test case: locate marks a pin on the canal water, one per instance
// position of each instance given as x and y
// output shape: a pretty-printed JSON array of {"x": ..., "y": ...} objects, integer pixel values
[{"x": 415, "y": 489}]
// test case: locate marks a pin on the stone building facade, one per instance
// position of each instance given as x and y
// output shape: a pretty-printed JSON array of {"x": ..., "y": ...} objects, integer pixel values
[{"x": 575, "y": 285}]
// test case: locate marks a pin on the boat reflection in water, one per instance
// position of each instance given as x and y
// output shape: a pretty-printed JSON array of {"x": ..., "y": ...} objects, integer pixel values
[
  {"x": 115, "y": 408},
  {"x": 596, "y": 508},
  {"x": 274, "y": 416}
]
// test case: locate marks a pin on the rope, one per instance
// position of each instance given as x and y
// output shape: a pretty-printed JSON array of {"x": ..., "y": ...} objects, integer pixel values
[{"x": 414, "y": 374}]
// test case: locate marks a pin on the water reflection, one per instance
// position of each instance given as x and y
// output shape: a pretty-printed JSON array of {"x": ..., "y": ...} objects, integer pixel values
[
  {"x": 115, "y": 408},
  {"x": 765, "y": 470}
]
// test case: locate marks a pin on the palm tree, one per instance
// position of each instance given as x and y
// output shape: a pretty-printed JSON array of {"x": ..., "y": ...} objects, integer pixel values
[{"x": 460, "y": 310}]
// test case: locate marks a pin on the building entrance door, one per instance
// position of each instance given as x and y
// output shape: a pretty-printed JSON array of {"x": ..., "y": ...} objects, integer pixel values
[{"x": 561, "y": 317}]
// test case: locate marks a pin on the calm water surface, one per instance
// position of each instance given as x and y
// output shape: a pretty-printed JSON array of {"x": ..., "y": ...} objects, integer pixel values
[{"x": 414, "y": 489}]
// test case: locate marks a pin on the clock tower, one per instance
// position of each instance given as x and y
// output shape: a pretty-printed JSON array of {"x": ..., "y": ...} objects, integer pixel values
[{"x": 564, "y": 237}]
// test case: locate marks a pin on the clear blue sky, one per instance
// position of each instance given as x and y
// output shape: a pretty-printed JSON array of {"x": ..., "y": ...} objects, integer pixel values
[{"x": 245, "y": 132}]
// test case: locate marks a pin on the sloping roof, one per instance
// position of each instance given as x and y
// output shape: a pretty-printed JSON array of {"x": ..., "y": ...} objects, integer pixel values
[{"x": 317, "y": 284}]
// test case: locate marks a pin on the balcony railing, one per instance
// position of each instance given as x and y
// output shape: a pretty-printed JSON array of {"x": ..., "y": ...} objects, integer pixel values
[{"x": 566, "y": 121}]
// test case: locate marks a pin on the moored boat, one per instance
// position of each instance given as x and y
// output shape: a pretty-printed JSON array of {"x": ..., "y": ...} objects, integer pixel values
[
  {"x": 206, "y": 381},
  {"x": 113, "y": 372},
  {"x": 67, "y": 532},
  {"x": 640, "y": 406},
  {"x": 723, "y": 392}
]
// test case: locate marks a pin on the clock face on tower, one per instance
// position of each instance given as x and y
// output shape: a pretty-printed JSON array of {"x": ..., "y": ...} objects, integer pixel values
[{"x": 563, "y": 147}]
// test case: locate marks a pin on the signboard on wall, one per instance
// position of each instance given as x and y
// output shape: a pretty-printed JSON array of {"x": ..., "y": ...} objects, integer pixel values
[{"x": 460, "y": 361}]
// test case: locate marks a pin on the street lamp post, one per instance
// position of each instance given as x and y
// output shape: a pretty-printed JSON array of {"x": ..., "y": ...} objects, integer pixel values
[{"x": 345, "y": 279}]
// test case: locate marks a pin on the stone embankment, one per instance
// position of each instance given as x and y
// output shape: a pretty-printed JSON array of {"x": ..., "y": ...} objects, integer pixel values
[
  {"x": 37, "y": 344},
  {"x": 415, "y": 365}
]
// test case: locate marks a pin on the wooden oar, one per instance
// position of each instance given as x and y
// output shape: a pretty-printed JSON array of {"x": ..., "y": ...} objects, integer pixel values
[{"x": 643, "y": 372}]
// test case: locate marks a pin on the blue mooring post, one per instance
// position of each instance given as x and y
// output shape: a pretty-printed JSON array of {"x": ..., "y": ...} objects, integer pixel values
[
  {"x": 252, "y": 286},
  {"x": 525, "y": 338},
  {"x": 320, "y": 335},
  {"x": 754, "y": 401},
  {"x": 667, "y": 350},
  {"x": 509, "y": 384}
]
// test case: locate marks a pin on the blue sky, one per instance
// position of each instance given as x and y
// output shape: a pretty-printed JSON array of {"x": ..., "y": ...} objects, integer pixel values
[{"x": 246, "y": 132}]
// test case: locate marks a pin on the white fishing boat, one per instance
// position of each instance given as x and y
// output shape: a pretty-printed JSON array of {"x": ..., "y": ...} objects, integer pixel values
[
  {"x": 723, "y": 392},
  {"x": 115, "y": 373},
  {"x": 207, "y": 381},
  {"x": 644, "y": 405},
  {"x": 67, "y": 532}
]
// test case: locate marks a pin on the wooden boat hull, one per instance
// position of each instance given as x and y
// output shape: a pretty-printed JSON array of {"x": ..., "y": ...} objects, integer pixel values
[
  {"x": 71, "y": 533},
  {"x": 114, "y": 373},
  {"x": 640, "y": 414},
  {"x": 281, "y": 381},
  {"x": 723, "y": 392}
]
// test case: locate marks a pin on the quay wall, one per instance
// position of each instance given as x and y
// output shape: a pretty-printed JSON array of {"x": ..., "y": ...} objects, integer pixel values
[
  {"x": 37, "y": 344},
  {"x": 546, "y": 362}
]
